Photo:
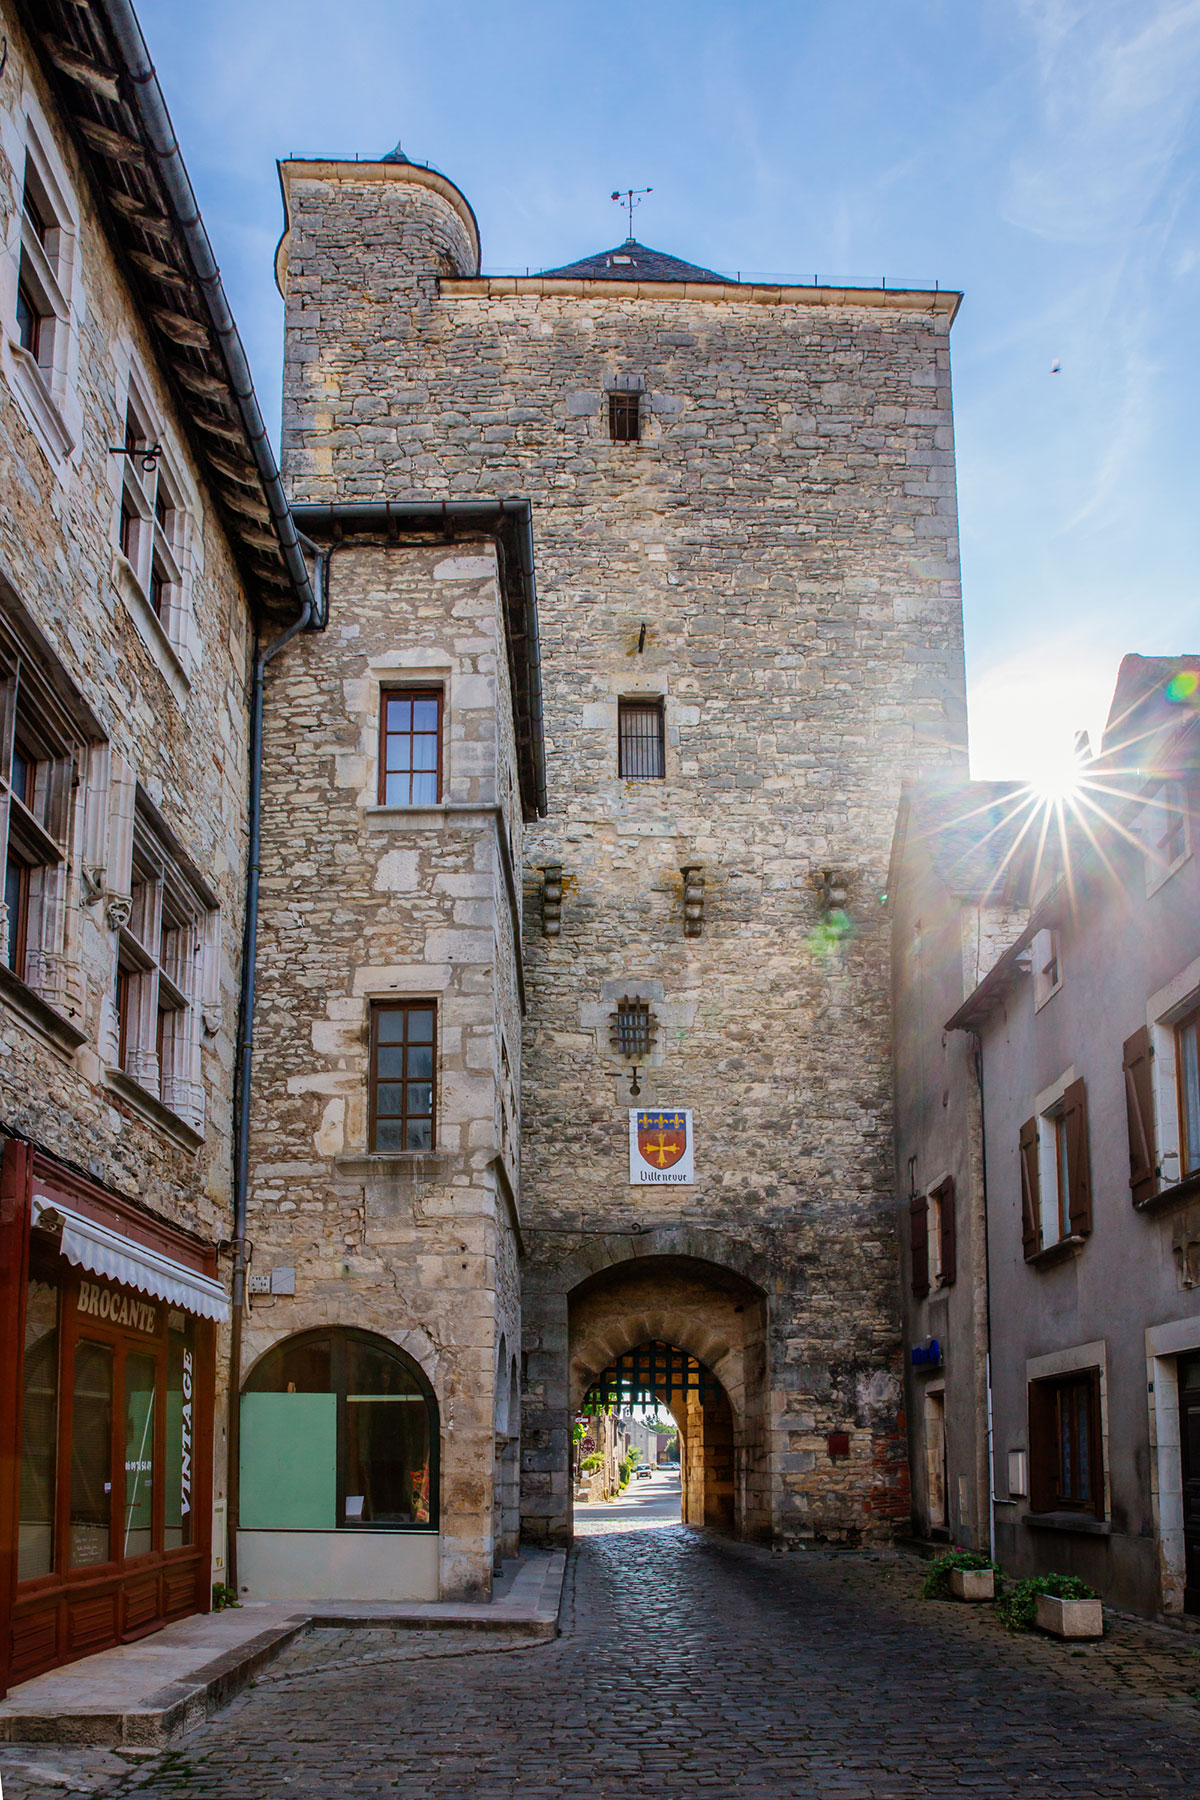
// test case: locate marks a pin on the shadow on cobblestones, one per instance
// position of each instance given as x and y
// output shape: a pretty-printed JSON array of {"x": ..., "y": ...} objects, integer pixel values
[{"x": 692, "y": 1666}]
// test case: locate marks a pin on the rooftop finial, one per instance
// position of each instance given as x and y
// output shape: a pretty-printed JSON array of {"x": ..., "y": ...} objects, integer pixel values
[
  {"x": 631, "y": 197},
  {"x": 396, "y": 155}
]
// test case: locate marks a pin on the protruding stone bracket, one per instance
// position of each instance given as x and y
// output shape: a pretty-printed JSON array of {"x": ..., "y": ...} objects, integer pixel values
[
  {"x": 693, "y": 899},
  {"x": 552, "y": 894}
]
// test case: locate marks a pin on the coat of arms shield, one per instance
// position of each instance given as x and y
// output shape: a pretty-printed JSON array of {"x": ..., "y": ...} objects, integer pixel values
[{"x": 660, "y": 1146}]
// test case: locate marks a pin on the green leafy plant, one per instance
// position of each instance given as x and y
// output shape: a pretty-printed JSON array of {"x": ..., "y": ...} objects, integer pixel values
[
  {"x": 579, "y": 1431},
  {"x": 1018, "y": 1609},
  {"x": 936, "y": 1585},
  {"x": 624, "y": 1471},
  {"x": 223, "y": 1596},
  {"x": 591, "y": 1463}
]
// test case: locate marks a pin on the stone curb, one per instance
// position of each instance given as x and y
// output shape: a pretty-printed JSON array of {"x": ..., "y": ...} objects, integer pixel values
[{"x": 182, "y": 1705}]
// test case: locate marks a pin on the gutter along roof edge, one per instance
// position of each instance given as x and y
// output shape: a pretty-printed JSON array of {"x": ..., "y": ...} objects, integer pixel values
[{"x": 508, "y": 519}]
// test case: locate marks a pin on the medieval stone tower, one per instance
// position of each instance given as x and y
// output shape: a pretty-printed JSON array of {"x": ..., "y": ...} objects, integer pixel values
[{"x": 743, "y": 522}]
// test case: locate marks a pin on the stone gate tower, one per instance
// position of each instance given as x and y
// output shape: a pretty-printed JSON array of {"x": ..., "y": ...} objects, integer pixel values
[{"x": 744, "y": 527}]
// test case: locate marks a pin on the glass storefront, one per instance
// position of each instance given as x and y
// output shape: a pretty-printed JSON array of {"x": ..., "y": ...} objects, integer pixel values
[{"x": 39, "y": 1433}]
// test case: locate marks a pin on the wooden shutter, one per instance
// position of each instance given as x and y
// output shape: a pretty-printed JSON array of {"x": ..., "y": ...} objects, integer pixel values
[
  {"x": 948, "y": 1227},
  {"x": 1139, "y": 1108},
  {"x": 1043, "y": 1447},
  {"x": 1079, "y": 1176},
  {"x": 1031, "y": 1199},
  {"x": 918, "y": 1215}
]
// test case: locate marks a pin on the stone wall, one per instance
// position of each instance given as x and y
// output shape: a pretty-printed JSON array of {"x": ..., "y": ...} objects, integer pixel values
[
  {"x": 776, "y": 560},
  {"x": 362, "y": 901}
]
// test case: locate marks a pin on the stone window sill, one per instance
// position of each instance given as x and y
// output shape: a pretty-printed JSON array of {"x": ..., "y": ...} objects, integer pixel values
[
  {"x": 46, "y": 1022},
  {"x": 1056, "y": 1253},
  {"x": 1187, "y": 1189},
  {"x": 423, "y": 1165},
  {"x": 1068, "y": 1521},
  {"x": 150, "y": 628},
  {"x": 38, "y": 403},
  {"x": 151, "y": 1108}
]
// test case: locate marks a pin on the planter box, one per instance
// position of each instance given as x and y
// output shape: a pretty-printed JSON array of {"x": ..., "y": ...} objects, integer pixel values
[
  {"x": 1070, "y": 1618},
  {"x": 973, "y": 1584}
]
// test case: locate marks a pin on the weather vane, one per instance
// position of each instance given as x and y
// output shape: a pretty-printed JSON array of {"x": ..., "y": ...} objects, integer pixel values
[{"x": 629, "y": 198}]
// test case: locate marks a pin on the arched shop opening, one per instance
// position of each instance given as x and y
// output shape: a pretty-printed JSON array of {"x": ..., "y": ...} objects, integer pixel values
[
  {"x": 339, "y": 1471},
  {"x": 689, "y": 1335},
  {"x": 662, "y": 1375}
]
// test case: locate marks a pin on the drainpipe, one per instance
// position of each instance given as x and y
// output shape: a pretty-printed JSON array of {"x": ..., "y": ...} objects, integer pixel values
[
  {"x": 245, "y": 1058},
  {"x": 989, "y": 1449}
]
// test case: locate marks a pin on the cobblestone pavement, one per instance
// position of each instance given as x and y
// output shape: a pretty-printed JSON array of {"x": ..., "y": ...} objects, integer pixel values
[{"x": 688, "y": 1667}]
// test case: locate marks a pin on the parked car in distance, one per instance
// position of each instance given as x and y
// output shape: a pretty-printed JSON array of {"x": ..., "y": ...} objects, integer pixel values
[{"x": 643, "y": 1472}]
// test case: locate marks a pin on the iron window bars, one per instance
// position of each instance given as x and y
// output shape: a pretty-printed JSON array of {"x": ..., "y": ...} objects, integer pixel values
[
  {"x": 633, "y": 1029},
  {"x": 624, "y": 417},
  {"x": 641, "y": 747},
  {"x": 651, "y": 1374}
]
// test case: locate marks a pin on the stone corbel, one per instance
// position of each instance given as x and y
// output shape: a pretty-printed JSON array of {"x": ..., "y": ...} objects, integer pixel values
[
  {"x": 117, "y": 908},
  {"x": 552, "y": 895},
  {"x": 693, "y": 899},
  {"x": 91, "y": 882}
]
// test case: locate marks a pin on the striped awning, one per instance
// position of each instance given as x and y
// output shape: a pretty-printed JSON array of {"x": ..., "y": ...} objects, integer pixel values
[{"x": 106, "y": 1252}]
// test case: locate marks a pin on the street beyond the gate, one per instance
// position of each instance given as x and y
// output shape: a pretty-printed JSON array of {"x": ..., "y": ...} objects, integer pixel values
[{"x": 691, "y": 1666}]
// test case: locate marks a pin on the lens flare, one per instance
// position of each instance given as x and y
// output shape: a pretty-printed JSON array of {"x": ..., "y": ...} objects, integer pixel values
[{"x": 1182, "y": 687}]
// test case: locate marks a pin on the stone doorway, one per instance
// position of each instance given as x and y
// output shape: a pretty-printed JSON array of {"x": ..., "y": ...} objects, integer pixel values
[
  {"x": 662, "y": 1374},
  {"x": 696, "y": 1309}
]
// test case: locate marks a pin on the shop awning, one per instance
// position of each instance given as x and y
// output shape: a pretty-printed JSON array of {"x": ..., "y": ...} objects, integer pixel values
[{"x": 105, "y": 1252}]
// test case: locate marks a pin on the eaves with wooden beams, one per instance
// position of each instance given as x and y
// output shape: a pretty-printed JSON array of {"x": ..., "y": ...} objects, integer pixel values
[{"x": 95, "y": 58}]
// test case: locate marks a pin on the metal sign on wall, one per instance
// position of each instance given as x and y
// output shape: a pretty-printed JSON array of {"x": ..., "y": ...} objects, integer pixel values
[{"x": 660, "y": 1147}]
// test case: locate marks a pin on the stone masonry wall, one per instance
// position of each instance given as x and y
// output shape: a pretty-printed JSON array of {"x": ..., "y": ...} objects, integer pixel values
[
  {"x": 181, "y": 723},
  {"x": 786, "y": 535},
  {"x": 359, "y": 902}
]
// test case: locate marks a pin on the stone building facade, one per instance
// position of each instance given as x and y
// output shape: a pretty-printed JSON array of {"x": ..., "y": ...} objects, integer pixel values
[
  {"x": 744, "y": 515},
  {"x": 137, "y": 558}
]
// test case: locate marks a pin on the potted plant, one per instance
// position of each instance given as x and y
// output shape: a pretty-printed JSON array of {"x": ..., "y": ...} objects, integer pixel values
[
  {"x": 963, "y": 1574},
  {"x": 1062, "y": 1605}
]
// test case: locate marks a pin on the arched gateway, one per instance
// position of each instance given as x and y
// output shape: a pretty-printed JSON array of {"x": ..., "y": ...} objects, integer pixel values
[{"x": 692, "y": 1332}]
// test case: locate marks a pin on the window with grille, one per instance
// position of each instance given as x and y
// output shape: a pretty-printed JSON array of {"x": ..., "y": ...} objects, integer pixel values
[
  {"x": 403, "y": 1037},
  {"x": 641, "y": 740},
  {"x": 624, "y": 418},
  {"x": 410, "y": 747},
  {"x": 633, "y": 1029}
]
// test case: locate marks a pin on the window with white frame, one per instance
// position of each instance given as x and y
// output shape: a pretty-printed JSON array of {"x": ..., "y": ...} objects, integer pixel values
[
  {"x": 44, "y": 758},
  {"x": 40, "y": 325},
  {"x": 1056, "y": 1204},
  {"x": 166, "y": 932},
  {"x": 1047, "y": 967},
  {"x": 1162, "y": 1089},
  {"x": 154, "y": 525},
  {"x": 1162, "y": 827}
]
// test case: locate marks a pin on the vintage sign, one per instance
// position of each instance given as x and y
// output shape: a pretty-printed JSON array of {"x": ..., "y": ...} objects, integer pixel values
[{"x": 660, "y": 1147}]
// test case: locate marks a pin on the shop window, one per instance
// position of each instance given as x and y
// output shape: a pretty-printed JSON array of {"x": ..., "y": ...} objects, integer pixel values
[
  {"x": 1056, "y": 1203},
  {"x": 641, "y": 740},
  {"x": 410, "y": 747},
  {"x": 154, "y": 524},
  {"x": 339, "y": 1431},
  {"x": 39, "y": 1432},
  {"x": 90, "y": 1524},
  {"x": 1066, "y": 1472},
  {"x": 402, "y": 1085},
  {"x": 164, "y": 942}
]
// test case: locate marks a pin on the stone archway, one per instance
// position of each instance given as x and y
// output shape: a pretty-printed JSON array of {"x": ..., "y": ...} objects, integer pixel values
[{"x": 713, "y": 1313}]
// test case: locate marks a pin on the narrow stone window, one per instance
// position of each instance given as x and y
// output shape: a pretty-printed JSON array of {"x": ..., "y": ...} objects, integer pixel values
[
  {"x": 410, "y": 747},
  {"x": 624, "y": 418},
  {"x": 154, "y": 525},
  {"x": 403, "y": 1036},
  {"x": 641, "y": 740}
]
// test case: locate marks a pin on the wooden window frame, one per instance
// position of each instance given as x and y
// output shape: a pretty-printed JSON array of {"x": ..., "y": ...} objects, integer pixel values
[
  {"x": 154, "y": 520},
  {"x": 626, "y": 708},
  {"x": 1137, "y": 1055},
  {"x": 40, "y": 758},
  {"x": 1053, "y": 1153},
  {"x": 1189, "y": 1154},
  {"x": 411, "y": 692},
  {"x": 625, "y": 415},
  {"x": 1080, "y": 1390},
  {"x": 378, "y": 1009}
]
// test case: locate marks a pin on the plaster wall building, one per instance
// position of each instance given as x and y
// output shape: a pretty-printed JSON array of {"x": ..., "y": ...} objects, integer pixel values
[
  {"x": 744, "y": 517},
  {"x": 137, "y": 559}
]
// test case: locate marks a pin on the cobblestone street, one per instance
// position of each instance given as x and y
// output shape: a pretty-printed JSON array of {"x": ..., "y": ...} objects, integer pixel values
[{"x": 691, "y": 1666}]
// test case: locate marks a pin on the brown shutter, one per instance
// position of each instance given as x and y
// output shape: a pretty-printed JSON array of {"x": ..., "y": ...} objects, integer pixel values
[
  {"x": 1043, "y": 1447},
  {"x": 918, "y": 1216},
  {"x": 1031, "y": 1200},
  {"x": 949, "y": 1235},
  {"x": 1079, "y": 1176},
  {"x": 1139, "y": 1108}
]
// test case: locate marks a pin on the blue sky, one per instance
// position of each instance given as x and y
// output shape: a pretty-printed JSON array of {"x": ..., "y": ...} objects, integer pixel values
[{"x": 1041, "y": 155}]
